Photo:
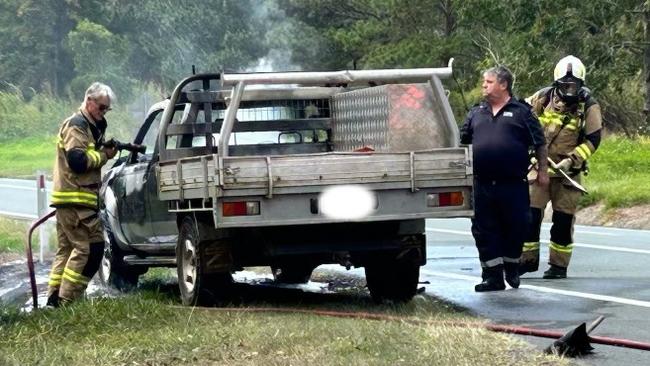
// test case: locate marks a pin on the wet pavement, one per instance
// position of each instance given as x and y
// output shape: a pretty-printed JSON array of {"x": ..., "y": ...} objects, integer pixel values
[{"x": 608, "y": 276}]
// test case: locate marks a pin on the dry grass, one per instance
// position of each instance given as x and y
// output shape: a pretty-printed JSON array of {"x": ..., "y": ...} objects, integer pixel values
[{"x": 149, "y": 328}]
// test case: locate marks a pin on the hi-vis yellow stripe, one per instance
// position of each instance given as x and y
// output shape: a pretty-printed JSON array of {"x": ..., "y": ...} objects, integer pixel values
[
  {"x": 561, "y": 248},
  {"x": 84, "y": 198},
  {"x": 550, "y": 117},
  {"x": 530, "y": 246},
  {"x": 584, "y": 151},
  {"x": 93, "y": 156},
  {"x": 75, "y": 277},
  {"x": 55, "y": 280}
]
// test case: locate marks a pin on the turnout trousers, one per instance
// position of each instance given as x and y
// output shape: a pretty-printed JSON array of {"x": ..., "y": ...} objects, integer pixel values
[
  {"x": 500, "y": 220},
  {"x": 564, "y": 199},
  {"x": 79, "y": 252}
]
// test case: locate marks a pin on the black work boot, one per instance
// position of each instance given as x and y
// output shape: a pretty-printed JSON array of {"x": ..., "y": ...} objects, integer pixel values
[
  {"x": 53, "y": 300},
  {"x": 492, "y": 280},
  {"x": 512, "y": 274},
  {"x": 526, "y": 267},
  {"x": 555, "y": 272}
]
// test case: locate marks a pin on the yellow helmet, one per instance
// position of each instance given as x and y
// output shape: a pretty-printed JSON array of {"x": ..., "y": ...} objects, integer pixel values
[{"x": 570, "y": 65}]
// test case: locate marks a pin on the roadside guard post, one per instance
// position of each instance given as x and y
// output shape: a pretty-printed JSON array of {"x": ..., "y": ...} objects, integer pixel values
[{"x": 41, "y": 202}]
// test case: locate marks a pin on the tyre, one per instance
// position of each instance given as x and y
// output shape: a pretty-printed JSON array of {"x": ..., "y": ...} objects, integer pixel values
[
  {"x": 113, "y": 272},
  {"x": 292, "y": 273},
  {"x": 392, "y": 280},
  {"x": 196, "y": 286}
]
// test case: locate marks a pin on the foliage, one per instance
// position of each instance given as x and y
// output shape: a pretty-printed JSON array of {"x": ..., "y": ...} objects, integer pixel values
[
  {"x": 60, "y": 46},
  {"x": 527, "y": 36},
  {"x": 36, "y": 117}
]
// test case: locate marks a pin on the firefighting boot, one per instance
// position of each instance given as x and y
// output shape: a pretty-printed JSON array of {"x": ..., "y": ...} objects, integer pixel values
[
  {"x": 526, "y": 267},
  {"x": 555, "y": 272},
  {"x": 512, "y": 274},
  {"x": 53, "y": 300},
  {"x": 492, "y": 280}
]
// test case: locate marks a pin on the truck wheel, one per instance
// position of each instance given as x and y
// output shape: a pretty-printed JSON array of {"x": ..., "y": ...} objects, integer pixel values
[
  {"x": 113, "y": 273},
  {"x": 295, "y": 273},
  {"x": 394, "y": 280},
  {"x": 196, "y": 287}
]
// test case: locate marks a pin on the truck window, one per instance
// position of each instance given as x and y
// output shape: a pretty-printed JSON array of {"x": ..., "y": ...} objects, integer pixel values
[{"x": 151, "y": 136}]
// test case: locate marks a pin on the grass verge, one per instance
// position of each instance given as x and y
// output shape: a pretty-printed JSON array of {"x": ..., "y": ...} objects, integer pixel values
[
  {"x": 148, "y": 329},
  {"x": 22, "y": 158},
  {"x": 619, "y": 173},
  {"x": 13, "y": 234}
]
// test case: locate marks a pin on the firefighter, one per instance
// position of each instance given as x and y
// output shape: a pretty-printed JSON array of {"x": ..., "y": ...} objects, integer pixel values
[
  {"x": 572, "y": 124},
  {"x": 77, "y": 177},
  {"x": 501, "y": 130}
]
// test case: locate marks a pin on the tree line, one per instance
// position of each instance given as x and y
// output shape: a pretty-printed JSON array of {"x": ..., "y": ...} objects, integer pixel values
[{"x": 59, "y": 46}]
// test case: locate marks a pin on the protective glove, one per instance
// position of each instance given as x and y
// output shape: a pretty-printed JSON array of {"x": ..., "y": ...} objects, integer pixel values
[{"x": 565, "y": 165}]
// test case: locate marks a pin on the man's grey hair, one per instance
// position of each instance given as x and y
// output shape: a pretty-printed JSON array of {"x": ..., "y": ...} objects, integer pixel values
[
  {"x": 503, "y": 75},
  {"x": 98, "y": 90}
]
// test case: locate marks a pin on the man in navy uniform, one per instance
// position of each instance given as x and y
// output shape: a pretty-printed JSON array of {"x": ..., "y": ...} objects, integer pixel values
[{"x": 502, "y": 131}]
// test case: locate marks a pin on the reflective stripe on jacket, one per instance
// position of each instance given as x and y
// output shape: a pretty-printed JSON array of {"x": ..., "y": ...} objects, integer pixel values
[{"x": 76, "y": 142}]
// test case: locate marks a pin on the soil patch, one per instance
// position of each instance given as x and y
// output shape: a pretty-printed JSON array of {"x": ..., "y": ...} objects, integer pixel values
[
  {"x": 9, "y": 257},
  {"x": 637, "y": 217}
]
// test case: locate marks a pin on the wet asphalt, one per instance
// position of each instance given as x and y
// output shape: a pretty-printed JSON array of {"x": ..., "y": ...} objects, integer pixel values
[{"x": 609, "y": 276}]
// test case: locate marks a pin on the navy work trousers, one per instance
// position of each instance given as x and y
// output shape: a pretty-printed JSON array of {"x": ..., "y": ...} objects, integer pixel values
[{"x": 501, "y": 210}]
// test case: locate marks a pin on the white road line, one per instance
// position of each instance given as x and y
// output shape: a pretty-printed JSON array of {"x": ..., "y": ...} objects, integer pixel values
[
  {"x": 7, "y": 290},
  {"x": 605, "y": 247},
  {"x": 17, "y": 187},
  {"x": 609, "y": 228},
  {"x": 448, "y": 231},
  {"x": 584, "y": 295},
  {"x": 547, "y": 226},
  {"x": 579, "y": 245},
  {"x": 18, "y": 215},
  {"x": 13, "y": 263},
  {"x": 594, "y": 233}
]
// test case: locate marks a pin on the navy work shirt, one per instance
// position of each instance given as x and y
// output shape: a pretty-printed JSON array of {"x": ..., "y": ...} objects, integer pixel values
[{"x": 501, "y": 143}]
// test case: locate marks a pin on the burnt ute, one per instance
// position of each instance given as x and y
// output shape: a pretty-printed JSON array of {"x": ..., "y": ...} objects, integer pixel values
[{"x": 236, "y": 166}]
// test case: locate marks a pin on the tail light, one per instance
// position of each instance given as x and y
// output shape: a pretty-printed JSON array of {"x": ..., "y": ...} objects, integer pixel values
[
  {"x": 241, "y": 208},
  {"x": 445, "y": 199}
]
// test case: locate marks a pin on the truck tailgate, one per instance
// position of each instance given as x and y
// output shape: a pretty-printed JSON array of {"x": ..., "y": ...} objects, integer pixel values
[
  {"x": 286, "y": 188},
  {"x": 209, "y": 176}
]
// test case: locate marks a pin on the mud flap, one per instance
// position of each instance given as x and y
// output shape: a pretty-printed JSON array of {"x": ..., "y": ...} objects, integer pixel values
[
  {"x": 413, "y": 249},
  {"x": 216, "y": 257}
]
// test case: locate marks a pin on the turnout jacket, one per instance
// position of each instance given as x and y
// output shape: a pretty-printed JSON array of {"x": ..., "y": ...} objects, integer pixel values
[
  {"x": 571, "y": 130},
  {"x": 77, "y": 168}
]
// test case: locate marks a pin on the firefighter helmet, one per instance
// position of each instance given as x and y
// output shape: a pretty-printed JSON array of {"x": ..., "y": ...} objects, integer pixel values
[
  {"x": 569, "y": 77},
  {"x": 570, "y": 65}
]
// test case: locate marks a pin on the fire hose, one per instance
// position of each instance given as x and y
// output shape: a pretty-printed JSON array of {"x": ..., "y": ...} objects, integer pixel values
[
  {"x": 499, "y": 328},
  {"x": 30, "y": 256},
  {"x": 510, "y": 329}
]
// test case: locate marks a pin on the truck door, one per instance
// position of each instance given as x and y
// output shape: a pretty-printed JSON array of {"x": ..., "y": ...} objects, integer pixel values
[
  {"x": 163, "y": 223},
  {"x": 137, "y": 195}
]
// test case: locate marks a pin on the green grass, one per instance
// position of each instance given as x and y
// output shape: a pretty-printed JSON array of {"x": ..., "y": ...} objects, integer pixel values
[
  {"x": 149, "y": 329},
  {"x": 22, "y": 158},
  {"x": 13, "y": 234},
  {"x": 619, "y": 173}
]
